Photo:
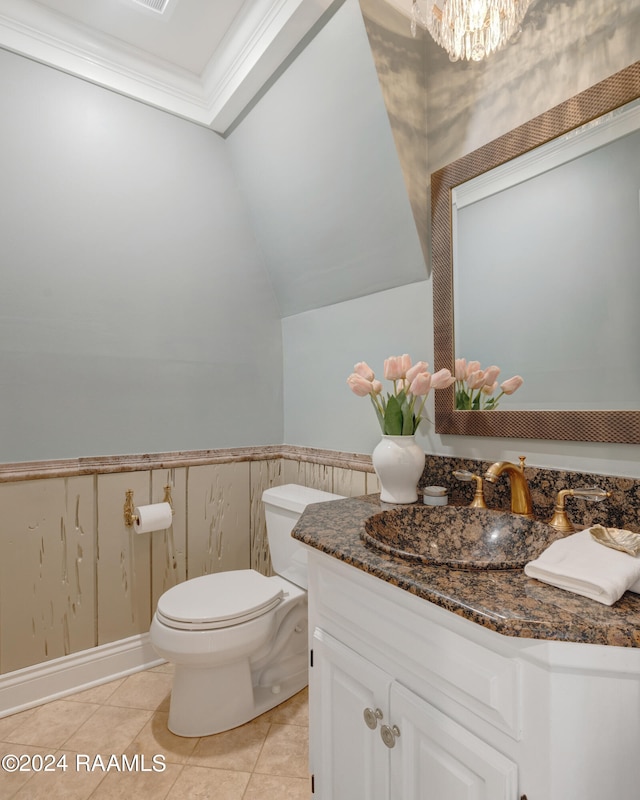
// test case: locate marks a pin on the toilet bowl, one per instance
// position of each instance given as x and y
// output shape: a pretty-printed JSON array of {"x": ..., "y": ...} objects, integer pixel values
[{"x": 239, "y": 639}]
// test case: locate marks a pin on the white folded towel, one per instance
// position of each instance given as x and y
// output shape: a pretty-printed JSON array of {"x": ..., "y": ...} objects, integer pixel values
[{"x": 581, "y": 565}]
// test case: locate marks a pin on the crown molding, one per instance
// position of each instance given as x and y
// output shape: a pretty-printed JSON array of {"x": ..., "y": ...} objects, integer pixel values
[
  {"x": 256, "y": 47},
  {"x": 257, "y": 44}
]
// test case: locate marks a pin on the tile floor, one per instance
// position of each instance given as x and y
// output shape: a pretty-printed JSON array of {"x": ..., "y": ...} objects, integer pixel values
[{"x": 266, "y": 759}]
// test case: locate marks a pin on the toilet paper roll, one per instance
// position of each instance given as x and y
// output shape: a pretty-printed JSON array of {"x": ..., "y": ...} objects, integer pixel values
[{"x": 155, "y": 517}]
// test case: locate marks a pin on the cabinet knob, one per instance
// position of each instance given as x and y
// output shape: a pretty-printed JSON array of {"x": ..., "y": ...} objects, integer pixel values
[
  {"x": 371, "y": 717},
  {"x": 389, "y": 735}
]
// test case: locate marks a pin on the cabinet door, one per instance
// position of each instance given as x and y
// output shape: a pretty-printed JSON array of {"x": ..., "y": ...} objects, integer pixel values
[
  {"x": 348, "y": 759},
  {"x": 437, "y": 759}
]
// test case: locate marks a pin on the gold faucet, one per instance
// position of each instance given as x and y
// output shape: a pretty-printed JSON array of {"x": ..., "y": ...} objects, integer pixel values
[
  {"x": 520, "y": 494},
  {"x": 478, "y": 497},
  {"x": 560, "y": 521}
]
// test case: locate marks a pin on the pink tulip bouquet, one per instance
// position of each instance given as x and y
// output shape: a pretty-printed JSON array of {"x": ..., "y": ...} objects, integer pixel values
[
  {"x": 476, "y": 387},
  {"x": 400, "y": 412}
]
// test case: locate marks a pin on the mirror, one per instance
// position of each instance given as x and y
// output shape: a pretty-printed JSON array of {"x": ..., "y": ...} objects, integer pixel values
[{"x": 451, "y": 187}]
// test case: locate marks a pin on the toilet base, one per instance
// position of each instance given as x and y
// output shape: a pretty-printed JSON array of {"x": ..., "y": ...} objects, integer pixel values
[
  {"x": 227, "y": 676},
  {"x": 205, "y": 702}
]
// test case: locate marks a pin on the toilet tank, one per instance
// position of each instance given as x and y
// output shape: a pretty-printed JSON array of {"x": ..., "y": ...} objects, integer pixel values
[{"x": 283, "y": 506}]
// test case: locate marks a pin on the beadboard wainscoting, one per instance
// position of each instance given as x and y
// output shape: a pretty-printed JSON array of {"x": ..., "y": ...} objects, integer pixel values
[{"x": 78, "y": 586}]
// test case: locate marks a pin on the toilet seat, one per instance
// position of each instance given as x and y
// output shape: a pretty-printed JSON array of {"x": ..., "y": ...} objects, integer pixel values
[{"x": 218, "y": 600}]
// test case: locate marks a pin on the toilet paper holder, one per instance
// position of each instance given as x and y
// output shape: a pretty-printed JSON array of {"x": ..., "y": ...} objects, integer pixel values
[{"x": 129, "y": 508}]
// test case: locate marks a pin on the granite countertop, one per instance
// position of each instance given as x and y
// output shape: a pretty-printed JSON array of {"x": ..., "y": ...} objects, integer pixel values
[{"x": 503, "y": 600}]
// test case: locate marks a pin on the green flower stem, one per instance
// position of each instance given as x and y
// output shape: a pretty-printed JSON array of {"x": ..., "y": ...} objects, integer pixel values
[
  {"x": 377, "y": 404},
  {"x": 471, "y": 400},
  {"x": 463, "y": 398},
  {"x": 421, "y": 409}
]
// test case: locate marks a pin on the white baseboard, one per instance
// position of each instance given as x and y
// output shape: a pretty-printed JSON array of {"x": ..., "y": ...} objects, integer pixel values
[{"x": 41, "y": 683}]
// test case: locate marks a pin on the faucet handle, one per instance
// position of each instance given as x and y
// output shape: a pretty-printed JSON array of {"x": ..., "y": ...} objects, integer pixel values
[
  {"x": 594, "y": 494},
  {"x": 560, "y": 521},
  {"x": 478, "y": 497},
  {"x": 522, "y": 460}
]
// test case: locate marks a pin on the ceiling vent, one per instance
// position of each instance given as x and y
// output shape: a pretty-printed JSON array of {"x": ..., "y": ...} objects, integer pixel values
[{"x": 154, "y": 5}]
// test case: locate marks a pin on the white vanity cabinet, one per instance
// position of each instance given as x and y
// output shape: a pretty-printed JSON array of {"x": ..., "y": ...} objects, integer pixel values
[
  {"x": 409, "y": 701},
  {"x": 346, "y": 689},
  {"x": 377, "y": 740}
]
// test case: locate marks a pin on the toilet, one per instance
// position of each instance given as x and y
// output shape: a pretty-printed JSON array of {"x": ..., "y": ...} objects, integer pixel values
[{"x": 238, "y": 639}]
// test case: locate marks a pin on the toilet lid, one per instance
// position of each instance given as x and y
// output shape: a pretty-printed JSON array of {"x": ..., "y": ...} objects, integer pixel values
[{"x": 218, "y": 600}]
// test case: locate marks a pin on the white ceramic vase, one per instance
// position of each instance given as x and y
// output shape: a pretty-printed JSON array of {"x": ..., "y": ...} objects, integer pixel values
[{"x": 398, "y": 462}]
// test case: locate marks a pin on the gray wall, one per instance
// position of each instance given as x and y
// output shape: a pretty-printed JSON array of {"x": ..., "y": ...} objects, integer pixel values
[
  {"x": 565, "y": 47},
  {"x": 139, "y": 316},
  {"x": 320, "y": 349},
  {"x": 141, "y": 301},
  {"x": 317, "y": 163},
  {"x": 136, "y": 314}
]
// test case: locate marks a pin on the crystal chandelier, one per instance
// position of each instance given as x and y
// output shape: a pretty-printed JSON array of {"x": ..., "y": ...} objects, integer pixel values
[{"x": 470, "y": 29}]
